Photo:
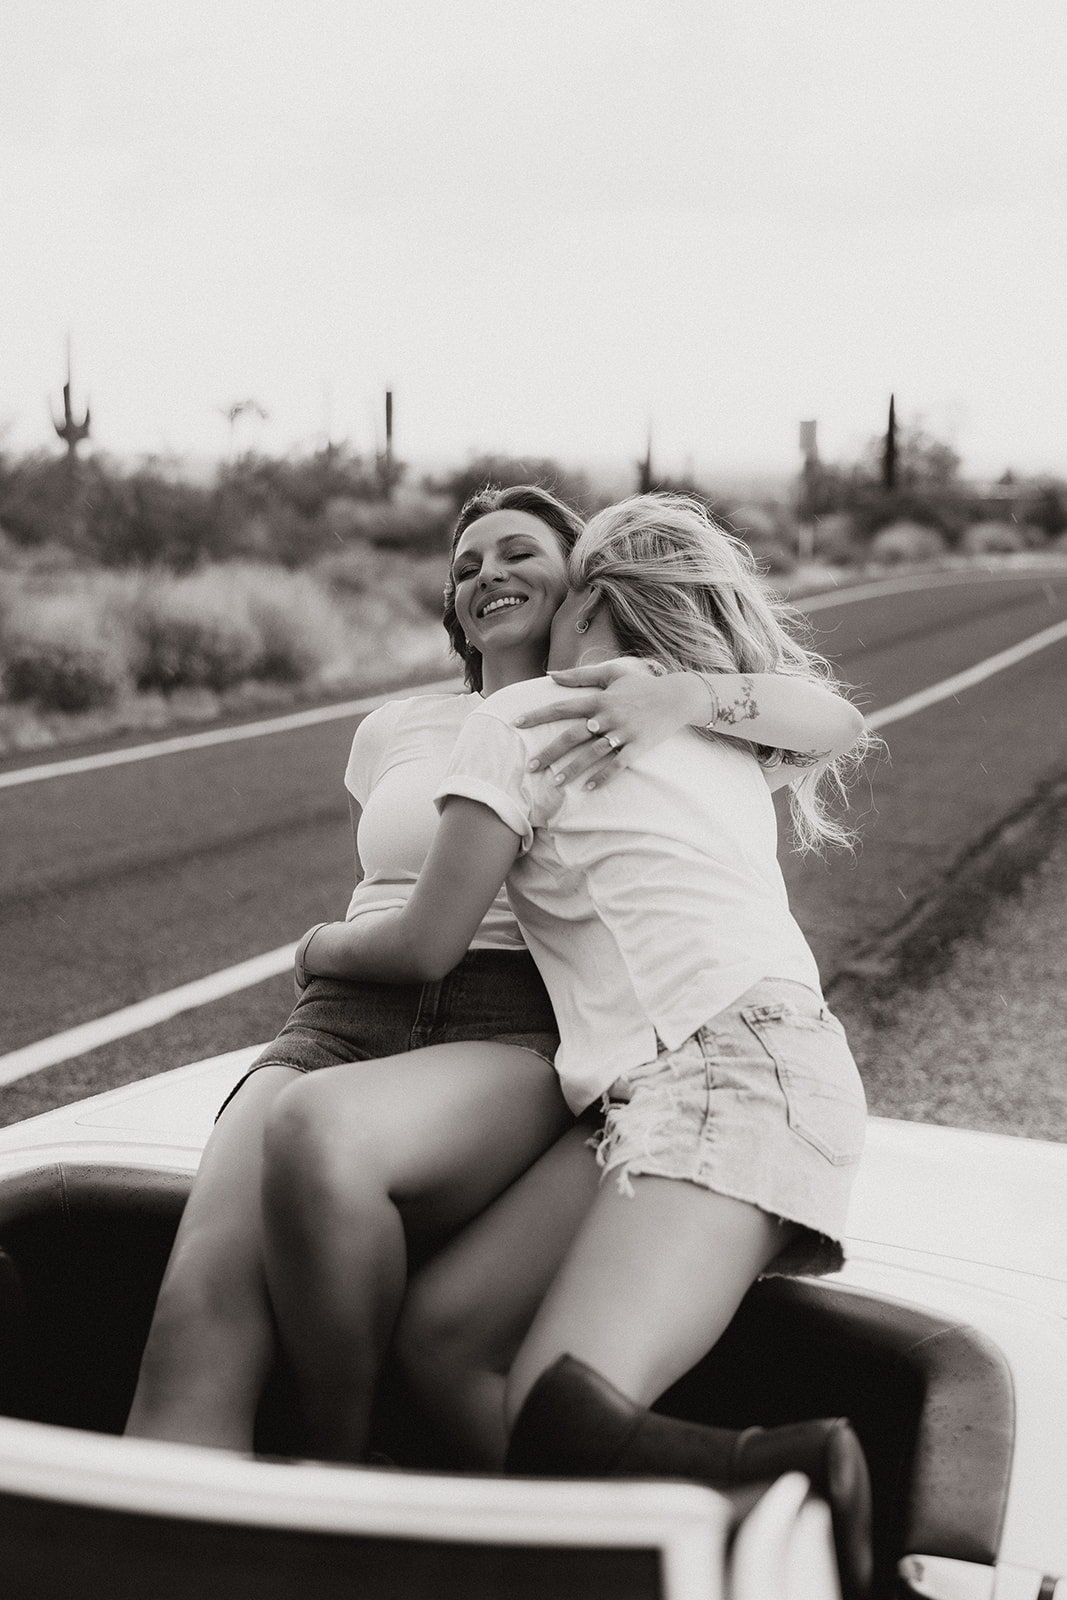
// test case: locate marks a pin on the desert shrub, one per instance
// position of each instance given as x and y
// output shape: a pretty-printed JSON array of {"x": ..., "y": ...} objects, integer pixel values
[
  {"x": 873, "y": 508},
  {"x": 407, "y": 579},
  {"x": 35, "y": 497},
  {"x": 186, "y": 633},
  {"x": 427, "y": 583},
  {"x": 505, "y": 471},
  {"x": 991, "y": 538},
  {"x": 834, "y": 536},
  {"x": 147, "y": 518},
  {"x": 291, "y": 509},
  {"x": 906, "y": 541},
  {"x": 767, "y": 535},
  {"x": 10, "y": 554},
  {"x": 283, "y": 532},
  {"x": 55, "y": 654},
  {"x": 414, "y": 519},
  {"x": 353, "y": 568},
  {"x": 299, "y": 629},
  {"x": 46, "y": 560},
  {"x": 226, "y": 624}
]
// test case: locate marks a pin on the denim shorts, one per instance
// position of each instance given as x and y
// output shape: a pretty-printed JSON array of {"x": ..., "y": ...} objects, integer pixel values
[
  {"x": 494, "y": 995},
  {"x": 763, "y": 1103}
]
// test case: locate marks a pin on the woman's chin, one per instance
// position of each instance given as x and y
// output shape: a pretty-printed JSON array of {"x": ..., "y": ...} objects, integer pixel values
[{"x": 513, "y": 634}]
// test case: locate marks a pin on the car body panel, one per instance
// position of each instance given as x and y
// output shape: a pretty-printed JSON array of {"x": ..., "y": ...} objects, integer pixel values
[{"x": 967, "y": 1224}]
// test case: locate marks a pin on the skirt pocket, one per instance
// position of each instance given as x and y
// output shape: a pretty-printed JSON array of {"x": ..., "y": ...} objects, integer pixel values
[{"x": 825, "y": 1103}]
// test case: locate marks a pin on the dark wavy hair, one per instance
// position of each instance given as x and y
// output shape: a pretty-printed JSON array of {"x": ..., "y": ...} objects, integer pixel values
[{"x": 564, "y": 522}]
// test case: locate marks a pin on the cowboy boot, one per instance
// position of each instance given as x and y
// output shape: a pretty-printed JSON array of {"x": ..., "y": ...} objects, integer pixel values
[{"x": 575, "y": 1423}]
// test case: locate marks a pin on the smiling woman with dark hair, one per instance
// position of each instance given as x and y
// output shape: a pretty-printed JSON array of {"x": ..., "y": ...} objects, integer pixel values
[{"x": 531, "y": 501}]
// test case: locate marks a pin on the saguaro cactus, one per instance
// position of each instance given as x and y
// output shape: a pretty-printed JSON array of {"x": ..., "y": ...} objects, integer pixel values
[{"x": 71, "y": 431}]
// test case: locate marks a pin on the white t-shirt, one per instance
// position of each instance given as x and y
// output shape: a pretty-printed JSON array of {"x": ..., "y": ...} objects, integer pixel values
[
  {"x": 399, "y": 755},
  {"x": 650, "y": 904}
]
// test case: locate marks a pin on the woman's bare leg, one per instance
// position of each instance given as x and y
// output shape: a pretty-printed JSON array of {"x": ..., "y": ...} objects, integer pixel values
[
  {"x": 359, "y": 1164},
  {"x": 468, "y": 1310},
  {"x": 650, "y": 1284},
  {"x": 211, "y": 1343}
]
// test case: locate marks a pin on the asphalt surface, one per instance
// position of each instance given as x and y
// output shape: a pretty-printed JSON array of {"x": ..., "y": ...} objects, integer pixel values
[{"x": 125, "y": 882}]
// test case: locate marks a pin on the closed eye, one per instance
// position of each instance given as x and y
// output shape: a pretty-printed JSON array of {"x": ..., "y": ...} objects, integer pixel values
[{"x": 469, "y": 570}]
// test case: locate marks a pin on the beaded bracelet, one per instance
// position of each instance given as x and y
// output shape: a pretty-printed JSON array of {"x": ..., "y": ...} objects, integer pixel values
[{"x": 717, "y": 706}]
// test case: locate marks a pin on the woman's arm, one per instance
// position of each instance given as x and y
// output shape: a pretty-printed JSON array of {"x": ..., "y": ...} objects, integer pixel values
[
  {"x": 468, "y": 861},
  {"x": 638, "y": 709}
]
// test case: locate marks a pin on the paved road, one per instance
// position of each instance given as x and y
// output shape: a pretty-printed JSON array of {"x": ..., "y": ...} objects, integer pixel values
[{"x": 127, "y": 881}]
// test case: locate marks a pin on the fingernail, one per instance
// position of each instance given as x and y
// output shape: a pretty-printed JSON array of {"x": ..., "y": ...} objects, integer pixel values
[
  {"x": 532, "y": 766},
  {"x": 591, "y": 784},
  {"x": 559, "y": 778}
]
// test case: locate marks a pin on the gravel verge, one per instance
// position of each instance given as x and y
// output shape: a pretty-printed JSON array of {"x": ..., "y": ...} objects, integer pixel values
[{"x": 960, "y": 1017}]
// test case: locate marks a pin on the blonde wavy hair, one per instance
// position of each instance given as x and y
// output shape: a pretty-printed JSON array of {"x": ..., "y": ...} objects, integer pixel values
[{"x": 680, "y": 589}]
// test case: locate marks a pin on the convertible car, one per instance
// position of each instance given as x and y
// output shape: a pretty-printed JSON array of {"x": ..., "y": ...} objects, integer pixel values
[{"x": 944, "y": 1340}]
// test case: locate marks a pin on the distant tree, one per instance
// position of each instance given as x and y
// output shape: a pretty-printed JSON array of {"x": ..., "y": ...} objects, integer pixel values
[
  {"x": 921, "y": 461},
  {"x": 889, "y": 448},
  {"x": 926, "y": 487},
  {"x": 1049, "y": 509}
]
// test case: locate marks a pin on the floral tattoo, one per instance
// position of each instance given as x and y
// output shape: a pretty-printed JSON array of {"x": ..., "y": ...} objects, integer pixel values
[{"x": 743, "y": 709}]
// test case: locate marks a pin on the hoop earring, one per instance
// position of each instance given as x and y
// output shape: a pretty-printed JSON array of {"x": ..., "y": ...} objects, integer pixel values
[{"x": 581, "y": 627}]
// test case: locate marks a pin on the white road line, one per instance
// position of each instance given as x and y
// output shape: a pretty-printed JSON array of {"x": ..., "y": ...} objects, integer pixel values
[
  {"x": 966, "y": 680},
  {"x": 200, "y": 741},
  {"x": 147, "y": 1013}
]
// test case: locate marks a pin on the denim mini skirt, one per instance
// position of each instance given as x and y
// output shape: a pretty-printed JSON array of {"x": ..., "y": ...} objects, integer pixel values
[
  {"x": 764, "y": 1103},
  {"x": 494, "y": 995}
]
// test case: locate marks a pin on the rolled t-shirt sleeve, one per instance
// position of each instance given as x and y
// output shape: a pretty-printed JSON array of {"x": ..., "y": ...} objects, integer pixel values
[{"x": 489, "y": 765}]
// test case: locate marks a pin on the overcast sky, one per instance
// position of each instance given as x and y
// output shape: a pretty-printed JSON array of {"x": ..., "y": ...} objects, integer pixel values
[{"x": 543, "y": 225}]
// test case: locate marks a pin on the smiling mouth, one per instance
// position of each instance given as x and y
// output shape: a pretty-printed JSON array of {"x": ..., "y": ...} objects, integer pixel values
[{"x": 505, "y": 602}]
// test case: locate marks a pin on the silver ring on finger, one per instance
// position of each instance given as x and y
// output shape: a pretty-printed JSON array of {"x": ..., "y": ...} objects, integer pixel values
[
  {"x": 614, "y": 743},
  {"x": 594, "y": 726}
]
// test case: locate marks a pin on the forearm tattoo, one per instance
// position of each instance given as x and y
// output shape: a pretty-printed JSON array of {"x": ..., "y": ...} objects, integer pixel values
[{"x": 743, "y": 709}]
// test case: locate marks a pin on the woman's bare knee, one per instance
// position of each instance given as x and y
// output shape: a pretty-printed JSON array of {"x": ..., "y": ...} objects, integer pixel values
[{"x": 317, "y": 1148}]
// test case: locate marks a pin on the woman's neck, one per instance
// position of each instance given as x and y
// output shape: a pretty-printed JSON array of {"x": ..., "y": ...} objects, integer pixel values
[{"x": 500, "y": 669}]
